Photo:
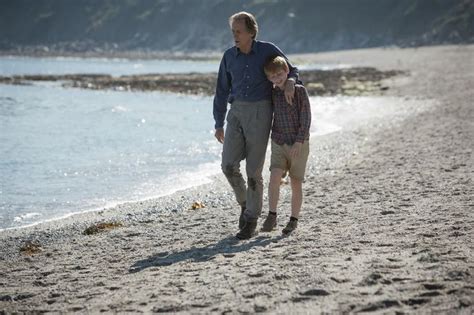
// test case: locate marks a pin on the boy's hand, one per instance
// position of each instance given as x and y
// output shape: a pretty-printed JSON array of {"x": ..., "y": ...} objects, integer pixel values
[
  {"x": 295, "y": 150},
  {"x": 219, "y": 134},
  {"x": 290, "y": 90}
]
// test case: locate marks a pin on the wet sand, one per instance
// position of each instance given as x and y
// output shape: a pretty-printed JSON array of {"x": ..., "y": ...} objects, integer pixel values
[{"x": 386, "y": 224}]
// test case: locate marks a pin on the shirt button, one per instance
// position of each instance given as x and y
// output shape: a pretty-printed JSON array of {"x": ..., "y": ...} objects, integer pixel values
[{"x": 246, "y": 66}]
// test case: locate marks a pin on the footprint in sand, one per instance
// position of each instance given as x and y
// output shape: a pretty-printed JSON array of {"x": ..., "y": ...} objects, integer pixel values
[
  {"x": 374, "y": 278},
  {"x": 416, "y": 301},
  {"x": 433, "y": 286},
  {"x": 430, "y": 294},
  {"x": 384, "y": 304},
  {"x": 315, "y": 292}
]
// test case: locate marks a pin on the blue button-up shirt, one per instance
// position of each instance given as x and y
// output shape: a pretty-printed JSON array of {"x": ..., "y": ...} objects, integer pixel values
[{"x": 241, "y": 77}]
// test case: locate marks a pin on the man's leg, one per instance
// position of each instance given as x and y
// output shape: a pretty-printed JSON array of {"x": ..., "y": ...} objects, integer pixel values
[
  {"x": 256, "y": 135},
  {"x": 234, "y": 152}
]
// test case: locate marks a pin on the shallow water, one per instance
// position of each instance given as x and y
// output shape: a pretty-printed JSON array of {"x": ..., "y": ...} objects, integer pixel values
[
  {"x": 14, "y": 65},
  {"x": 69, "y": 150}
]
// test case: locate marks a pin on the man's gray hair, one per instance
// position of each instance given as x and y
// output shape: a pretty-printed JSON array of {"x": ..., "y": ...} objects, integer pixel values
[{"x": 249, "y": 19}]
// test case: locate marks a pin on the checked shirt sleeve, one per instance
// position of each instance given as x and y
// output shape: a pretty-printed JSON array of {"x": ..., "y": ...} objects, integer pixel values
[{"x": 305, "y": 114}]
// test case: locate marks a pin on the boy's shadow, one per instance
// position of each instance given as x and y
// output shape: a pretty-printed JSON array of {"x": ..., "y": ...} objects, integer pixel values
[{"x": 229, "y": 245}]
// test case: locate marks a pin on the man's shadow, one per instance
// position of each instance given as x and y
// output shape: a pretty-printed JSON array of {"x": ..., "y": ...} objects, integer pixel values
[{"x": 227, "y": 246}]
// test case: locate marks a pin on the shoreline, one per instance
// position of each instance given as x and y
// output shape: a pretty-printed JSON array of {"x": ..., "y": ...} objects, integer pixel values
[
  {"x": 110, "y": 206},
  {"x": 385, "y": 224},
  {"x": 129, "y": 55},
  {"x": 393, "y": 109}
]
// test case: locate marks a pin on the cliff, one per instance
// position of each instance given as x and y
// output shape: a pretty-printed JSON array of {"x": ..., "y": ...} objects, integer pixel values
[{"x": 197, "y": 26}]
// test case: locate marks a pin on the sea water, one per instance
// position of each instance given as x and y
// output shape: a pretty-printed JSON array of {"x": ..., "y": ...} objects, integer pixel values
[
  {"x": 67, "y": 150},
  {"x": 14, "y": 65}
]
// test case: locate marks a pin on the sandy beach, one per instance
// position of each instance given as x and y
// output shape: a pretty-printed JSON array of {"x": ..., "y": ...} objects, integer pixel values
[{"x": 386, "y": 224}]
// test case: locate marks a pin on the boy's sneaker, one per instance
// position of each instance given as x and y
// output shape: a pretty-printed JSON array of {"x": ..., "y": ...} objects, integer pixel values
[
  {"x": 248, "y": 230},
  {"x": 270, "y": 222},
  {"x": 290, "y": 227}
]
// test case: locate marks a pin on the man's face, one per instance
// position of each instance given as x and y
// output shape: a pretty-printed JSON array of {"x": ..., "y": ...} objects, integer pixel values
[
  {"x": 242, "y": 37},
  {"x": 278, "y": 78}
]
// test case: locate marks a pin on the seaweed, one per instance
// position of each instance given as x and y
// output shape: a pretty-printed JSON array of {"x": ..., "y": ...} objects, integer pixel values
[{"x": 101, "y": 227}]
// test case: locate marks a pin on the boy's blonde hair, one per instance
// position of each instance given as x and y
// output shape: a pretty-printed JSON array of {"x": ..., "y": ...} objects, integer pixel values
[
  {"x": 249, "y": 19},
  {"x": 274, "y": 64}
]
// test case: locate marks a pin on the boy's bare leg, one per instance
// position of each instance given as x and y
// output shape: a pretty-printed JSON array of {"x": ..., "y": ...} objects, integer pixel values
[
  {"x": 274, "y": 188},
  {"x": 296, "y": 197},
  {"x": 296, "y": 201},
  {"x": 273, "y": 194}
]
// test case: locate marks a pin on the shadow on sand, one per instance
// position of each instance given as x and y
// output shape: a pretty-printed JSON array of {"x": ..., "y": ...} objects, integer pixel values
[{"x": 227, "y": 246}]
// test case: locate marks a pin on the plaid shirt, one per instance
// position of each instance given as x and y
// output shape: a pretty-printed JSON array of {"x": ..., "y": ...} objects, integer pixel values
[{"x": 291, "y": 122}]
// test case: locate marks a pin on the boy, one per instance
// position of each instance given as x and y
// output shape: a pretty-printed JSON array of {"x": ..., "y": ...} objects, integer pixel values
[{"x": 290, "y": 142}]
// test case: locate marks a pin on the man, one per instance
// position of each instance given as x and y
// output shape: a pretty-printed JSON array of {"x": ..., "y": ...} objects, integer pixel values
[{"x": 242, "y": 83}]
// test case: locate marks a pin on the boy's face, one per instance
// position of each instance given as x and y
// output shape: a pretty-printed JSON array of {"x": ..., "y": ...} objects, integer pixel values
[{"x": 278, "y": 78}]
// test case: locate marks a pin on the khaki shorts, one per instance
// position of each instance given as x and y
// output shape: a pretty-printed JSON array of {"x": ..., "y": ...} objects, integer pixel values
[{"x": 281, "y": 159}]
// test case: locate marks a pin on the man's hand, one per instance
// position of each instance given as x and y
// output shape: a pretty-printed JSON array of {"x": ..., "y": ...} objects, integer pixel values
[
  {"x": 290, "y": 90},
  {"x": 219, "y": 134},
  {"x": 295, "y": 150}
]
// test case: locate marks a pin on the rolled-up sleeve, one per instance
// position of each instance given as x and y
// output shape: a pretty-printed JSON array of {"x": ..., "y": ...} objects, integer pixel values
[
  {"x": 222, "y": 94},
  {"x": 305, "y": 114}
]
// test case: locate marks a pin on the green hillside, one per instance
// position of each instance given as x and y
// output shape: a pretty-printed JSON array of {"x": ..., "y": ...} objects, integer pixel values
[{"x": 190, "y": 26}]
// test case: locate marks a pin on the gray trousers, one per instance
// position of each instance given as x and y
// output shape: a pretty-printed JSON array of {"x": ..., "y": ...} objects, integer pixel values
[{"x": 246, "y": 137}]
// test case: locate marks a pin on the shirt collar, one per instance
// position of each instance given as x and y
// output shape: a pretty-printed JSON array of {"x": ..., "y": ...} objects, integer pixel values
[{"x": 253, "y": 49}]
